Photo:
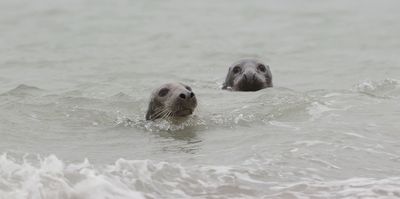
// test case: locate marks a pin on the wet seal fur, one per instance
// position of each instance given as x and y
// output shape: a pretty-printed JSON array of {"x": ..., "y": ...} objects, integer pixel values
[
  {"x": 248, "y": 75},
  {"x": 171, "y": 101}
]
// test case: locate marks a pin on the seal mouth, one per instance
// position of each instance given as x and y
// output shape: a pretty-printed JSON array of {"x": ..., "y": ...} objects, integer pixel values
[
  {"x": 252, "y": 85},
  {"x": 183, "y": 112}
]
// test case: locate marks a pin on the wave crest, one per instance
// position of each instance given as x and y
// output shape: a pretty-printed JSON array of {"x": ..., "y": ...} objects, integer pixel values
[
  {"x": 388, "y": 88},
  {"x": 50, "y": 178}
]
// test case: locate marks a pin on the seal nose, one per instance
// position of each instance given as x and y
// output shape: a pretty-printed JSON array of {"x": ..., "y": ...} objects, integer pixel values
[
  {"x": 187, "y": 95},
  {"x": 249, "y": 75}
]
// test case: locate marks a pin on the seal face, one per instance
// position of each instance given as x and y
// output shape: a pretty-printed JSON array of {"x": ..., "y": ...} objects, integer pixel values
[
  {"x": 248, "y": 75},
  {"x": 171, "y": 100}
]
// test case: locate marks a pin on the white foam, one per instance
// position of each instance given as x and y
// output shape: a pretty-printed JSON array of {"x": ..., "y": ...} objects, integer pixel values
[
  {"x": 51, "y": 178},
  {"x": 385, "y": 88},
  {"x": 317, "y": 110}
]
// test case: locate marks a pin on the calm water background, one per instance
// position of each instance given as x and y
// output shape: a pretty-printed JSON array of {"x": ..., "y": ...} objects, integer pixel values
[{"x": 76, "y": 75}]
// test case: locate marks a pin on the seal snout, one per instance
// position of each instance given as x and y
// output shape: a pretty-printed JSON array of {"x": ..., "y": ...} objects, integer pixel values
[
  {"x": 186, "y": 95},
  {"x": 250, "y": 76}
]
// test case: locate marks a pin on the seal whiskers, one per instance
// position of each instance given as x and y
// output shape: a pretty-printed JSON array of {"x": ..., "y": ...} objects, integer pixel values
[{"x": 162, "y": 113}]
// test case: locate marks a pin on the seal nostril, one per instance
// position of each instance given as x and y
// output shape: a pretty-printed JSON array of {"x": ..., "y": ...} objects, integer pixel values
[
  {"x": 254, "y": 77},
  {"x": 183, "y": 96},
  {"x": 191, "y": 94},
  {"x": 245, "y": 77}
]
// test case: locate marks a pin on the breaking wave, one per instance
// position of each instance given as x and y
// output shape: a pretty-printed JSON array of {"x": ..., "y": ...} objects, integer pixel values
[{"x": 51, "y": 178}]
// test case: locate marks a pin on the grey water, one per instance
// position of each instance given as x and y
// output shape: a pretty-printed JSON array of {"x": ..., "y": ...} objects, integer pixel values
[{"x": 76, "y": 77}]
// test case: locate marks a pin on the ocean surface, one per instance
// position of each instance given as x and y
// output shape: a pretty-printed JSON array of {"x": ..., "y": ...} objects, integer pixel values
[{"x": 76, "y": 78}]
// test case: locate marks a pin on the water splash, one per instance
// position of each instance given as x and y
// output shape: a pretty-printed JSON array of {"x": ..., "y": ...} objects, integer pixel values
[{"x": 388, "y": 88}]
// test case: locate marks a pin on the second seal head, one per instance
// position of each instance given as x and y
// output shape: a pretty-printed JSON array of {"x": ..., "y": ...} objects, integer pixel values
[{"x": 248, "y": 75}]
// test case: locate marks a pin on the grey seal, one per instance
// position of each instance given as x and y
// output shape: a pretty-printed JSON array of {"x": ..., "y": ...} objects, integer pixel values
[
  {"x": 248, "y": 75},
  {"x": 171, "y": 100}
]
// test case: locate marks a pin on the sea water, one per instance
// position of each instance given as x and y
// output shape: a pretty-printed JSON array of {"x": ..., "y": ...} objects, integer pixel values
[{"x": 76, "y": 78}]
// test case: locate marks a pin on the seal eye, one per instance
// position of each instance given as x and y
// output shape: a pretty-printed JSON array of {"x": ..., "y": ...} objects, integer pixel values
[
  {"x": 236, "y": 69},
  {"x": 262, "y": 68},
  {"x": 188, "y": 88},
  {"x": 163, "y": 92}
]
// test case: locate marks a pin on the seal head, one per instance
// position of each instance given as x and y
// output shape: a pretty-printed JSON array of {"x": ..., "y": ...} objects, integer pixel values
[
  {"x": 248, "y": 75},
  {"x": 171, "y": 100}
]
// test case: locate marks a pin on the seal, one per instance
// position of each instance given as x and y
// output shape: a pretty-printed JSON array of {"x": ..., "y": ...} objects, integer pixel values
[
  {"x": 248, "y": 75},
  {"x": 171, "y": 100}
]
